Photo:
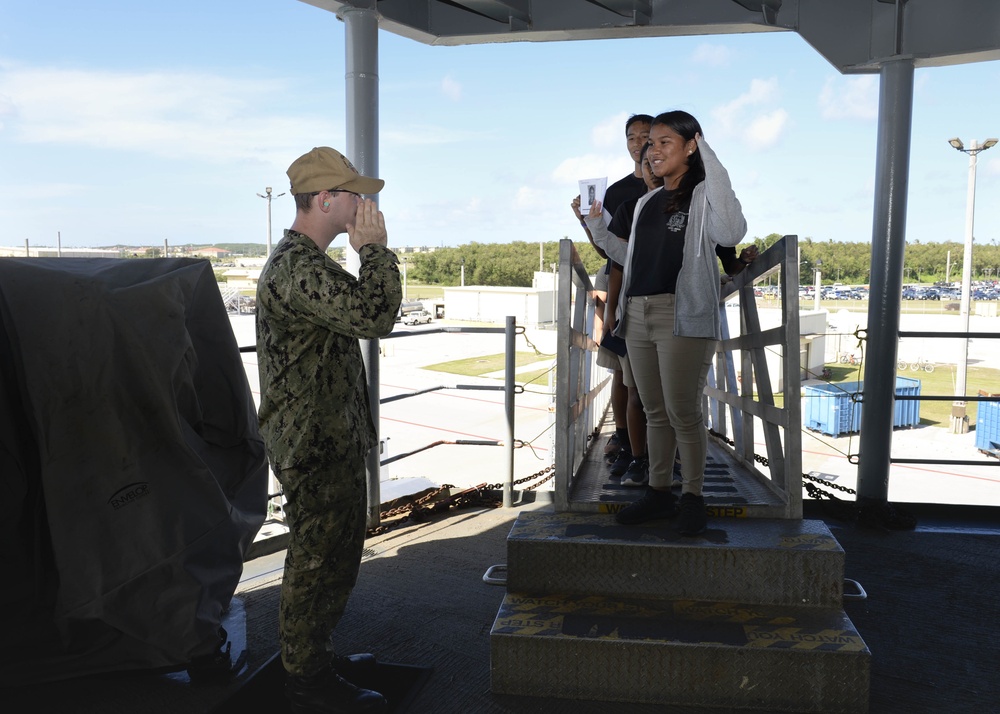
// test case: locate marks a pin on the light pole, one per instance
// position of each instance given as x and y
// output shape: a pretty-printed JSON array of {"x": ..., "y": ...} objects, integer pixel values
[
  {"x": 463, "y": 272},
  {"x": 959, "y": 417},
  {"x": 819, "y": 280},
  {"x": 267, "y": 195},
  {"x": 404, "y": 279}
]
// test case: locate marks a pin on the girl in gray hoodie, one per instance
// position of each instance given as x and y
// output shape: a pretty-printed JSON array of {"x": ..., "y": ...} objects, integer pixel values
[{"x": 669, "y": 310}]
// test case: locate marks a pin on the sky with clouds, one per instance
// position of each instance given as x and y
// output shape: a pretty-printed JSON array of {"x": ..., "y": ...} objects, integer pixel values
[{"x": 134, "y": 123}]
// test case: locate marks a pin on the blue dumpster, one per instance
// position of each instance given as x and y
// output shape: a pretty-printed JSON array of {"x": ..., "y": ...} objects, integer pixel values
[
  {"x": 988, "y": 428},
  {"x": 907, "y": 412},
  {"x": 833, "y": 409}
]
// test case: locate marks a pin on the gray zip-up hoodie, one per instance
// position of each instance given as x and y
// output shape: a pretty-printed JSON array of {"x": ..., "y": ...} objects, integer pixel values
[{"x": 715, "y": 217}]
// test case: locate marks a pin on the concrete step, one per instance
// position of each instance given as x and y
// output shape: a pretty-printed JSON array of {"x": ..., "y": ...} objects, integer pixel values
[
  {"x": 765, "y": 561},
  {"x": 682, "y": 652}
]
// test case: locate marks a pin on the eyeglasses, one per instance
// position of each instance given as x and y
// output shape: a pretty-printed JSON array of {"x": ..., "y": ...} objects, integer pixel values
[{"x": 342, "y": 190}]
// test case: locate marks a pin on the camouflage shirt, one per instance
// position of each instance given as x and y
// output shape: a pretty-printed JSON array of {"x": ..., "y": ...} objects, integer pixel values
[{"x": 310, "y": 314}]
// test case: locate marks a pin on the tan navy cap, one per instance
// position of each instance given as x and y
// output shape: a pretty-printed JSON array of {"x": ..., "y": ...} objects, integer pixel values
[{"x": 324, "y": 169}]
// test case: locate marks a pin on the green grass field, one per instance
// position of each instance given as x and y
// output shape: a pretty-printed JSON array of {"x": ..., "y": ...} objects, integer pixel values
[{"x": 479, "y": 366}]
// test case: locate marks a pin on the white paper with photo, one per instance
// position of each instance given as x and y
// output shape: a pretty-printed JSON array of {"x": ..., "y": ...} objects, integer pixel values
[{"x": 592, "y": 190}]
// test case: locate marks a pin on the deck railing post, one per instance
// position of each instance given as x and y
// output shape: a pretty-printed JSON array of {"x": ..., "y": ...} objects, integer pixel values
[{"x": 508, "y": 487}]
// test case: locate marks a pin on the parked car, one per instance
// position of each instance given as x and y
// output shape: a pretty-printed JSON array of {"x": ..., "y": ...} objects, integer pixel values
[{"x": 417, "y": 317}]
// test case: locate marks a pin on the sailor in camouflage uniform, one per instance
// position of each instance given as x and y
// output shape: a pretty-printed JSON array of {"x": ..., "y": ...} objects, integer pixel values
[{"x": 315, "y": 415}]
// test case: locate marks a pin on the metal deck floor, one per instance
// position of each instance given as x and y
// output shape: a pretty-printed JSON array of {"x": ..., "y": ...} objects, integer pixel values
[{"x": 929, "y": 620}]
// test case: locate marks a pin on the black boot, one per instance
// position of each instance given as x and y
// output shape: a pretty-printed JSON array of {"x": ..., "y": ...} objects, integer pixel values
[
  {"x": 329, "y": 693},
  {"x": 356, "y": 668}
]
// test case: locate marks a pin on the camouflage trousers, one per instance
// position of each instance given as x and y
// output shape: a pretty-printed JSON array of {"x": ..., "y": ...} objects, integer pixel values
[{"x": 325, "y": 515}]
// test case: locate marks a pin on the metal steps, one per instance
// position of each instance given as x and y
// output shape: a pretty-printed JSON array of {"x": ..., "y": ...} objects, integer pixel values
[
  {"x": 731, "y": 490},
  {"x": 761, "y": 561},
  {"x": 747, "y": 616}
]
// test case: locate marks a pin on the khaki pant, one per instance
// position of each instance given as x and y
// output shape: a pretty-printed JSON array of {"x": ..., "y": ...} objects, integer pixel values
[
  {"x": 325, "y": 515},
  {"x": 670, "y": 374}
]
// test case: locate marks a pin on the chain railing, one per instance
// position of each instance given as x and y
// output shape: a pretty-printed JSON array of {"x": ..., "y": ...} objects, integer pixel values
[{"x": 433, "y": 502}]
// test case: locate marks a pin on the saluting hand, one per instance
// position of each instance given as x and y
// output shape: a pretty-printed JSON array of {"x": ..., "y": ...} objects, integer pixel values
[{"x": 368, "y": 226}]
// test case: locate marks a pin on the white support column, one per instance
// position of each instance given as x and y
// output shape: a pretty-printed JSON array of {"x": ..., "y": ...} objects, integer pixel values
[{"x": 361, "y": 83}]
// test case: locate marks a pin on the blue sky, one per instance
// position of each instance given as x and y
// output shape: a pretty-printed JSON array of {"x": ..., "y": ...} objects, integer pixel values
[{"x": 135, "y": 123}]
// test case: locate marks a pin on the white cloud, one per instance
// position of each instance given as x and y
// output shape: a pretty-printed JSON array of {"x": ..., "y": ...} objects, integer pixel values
[
  {"x": 173, "y": 115},
  {"x": 441, "y": 215},
  {"x": 411, "y": 135},
  {"x": 7, "y": 109},
  {"x": 610, "y": 156},
  {"x": 731, "y": 115},
  {"x": 712, "y": 55},
  {"x": 451, "y": 88},
  {"x": 610, "y": 132},
  {"x": 529, "y": 198},
  {"x": 991, "y": 166},
  {"x": 766, "y": 129},
  {"x": 752, "y": 116},
  {"x": 570, "y": 171},
  {"x": 849, "y": 98}
]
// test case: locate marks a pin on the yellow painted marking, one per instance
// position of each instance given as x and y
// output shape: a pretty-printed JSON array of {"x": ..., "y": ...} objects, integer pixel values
[
  {"x": 526, "y": 603},
  {"x": 726, "y": 511},
  {"x": 808, "y": 541},
  {"x": 611, "y": 508},
  {"x": 529, "y": 626},
  {"x": 723, "y": 611},
  {"x": 800, "y": 639}
]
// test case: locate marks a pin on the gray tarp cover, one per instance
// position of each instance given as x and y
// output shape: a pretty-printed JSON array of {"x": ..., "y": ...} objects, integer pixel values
[{"x": 134, "y": 477}]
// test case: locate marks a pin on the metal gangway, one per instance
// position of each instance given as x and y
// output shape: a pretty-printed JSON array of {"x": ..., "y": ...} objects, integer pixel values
[
  {"x": 739, "y": 481},
  {"x": 745, "y": 616}
]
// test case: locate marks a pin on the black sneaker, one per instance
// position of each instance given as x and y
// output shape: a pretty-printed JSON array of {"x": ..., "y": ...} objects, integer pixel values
[
  {"x": 637, "y": 474},
  {"x": 329, "y": 693},
  {"x": 612, "y": 446},
  {"x": 653, "y": 504},
  {"x": 621, "y": 463},
  {"x": 691, "y": 518}
]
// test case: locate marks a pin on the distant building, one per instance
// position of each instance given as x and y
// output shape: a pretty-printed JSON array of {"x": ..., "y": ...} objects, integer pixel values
[
  {"x": 481, "y": 303},
  {"x": 211, "y": 252},
  {"x": 410, "y": 250},
  {"x": 242, "y": 278},
  {"x": 49, "y": 252}
]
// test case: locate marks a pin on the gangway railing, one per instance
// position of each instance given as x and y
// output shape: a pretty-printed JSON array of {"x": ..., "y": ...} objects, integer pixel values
[
  {"x": 736, "y": 404},
  {"x": 509, "y": 388},
  {"x": 582, "y": 392}
]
